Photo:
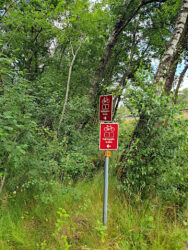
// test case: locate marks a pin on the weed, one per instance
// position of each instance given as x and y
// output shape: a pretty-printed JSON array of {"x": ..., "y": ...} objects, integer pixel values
[
  {"x": 62, "y": 239},
  {"x": 101, "y": 229}
]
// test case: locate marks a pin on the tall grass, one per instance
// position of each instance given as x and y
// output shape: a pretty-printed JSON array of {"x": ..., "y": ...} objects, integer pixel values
[{"x": 28, "y": 224}]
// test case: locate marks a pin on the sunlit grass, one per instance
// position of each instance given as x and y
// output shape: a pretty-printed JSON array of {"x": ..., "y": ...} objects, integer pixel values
[{"x": 184, "y": 115}]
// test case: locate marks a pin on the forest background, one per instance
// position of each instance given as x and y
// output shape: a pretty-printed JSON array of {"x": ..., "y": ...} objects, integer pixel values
[{"x": 57, "y": 57}]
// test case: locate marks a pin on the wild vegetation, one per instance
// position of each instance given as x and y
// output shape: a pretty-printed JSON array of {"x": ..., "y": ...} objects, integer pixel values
[
  {"x": 57, "y": 57},
  {"x": 74, "y": 220}
]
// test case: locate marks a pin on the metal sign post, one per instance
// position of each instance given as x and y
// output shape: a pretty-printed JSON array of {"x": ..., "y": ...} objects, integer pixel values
[
  {"x": 105, "y": 189},
  {"x": 108, "y": 140}
]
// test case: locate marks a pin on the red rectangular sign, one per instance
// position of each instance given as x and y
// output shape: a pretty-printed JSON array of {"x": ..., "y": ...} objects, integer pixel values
[
  {"x": 108, "y": 136},
  {"x": 105, "y": 108}
]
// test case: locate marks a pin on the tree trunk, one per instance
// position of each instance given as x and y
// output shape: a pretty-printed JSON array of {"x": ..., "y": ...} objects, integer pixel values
[
  {"x": 2, "y": 179},
  {"x": 2, "y": 182},
  {"x": 166, "y": 61},
  {"x": 175, "y": 59},
  {"x": 68, "y": 86}
]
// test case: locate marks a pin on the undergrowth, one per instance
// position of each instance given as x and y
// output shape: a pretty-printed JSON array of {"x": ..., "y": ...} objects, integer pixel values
[{"x": 74, "y": 220}]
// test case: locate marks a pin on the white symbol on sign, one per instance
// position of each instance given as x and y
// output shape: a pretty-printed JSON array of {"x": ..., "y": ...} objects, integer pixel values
[
  {"x": 105, "y": 118},
  {"x": 105, "y": 103},
  {"x": 108, "y": 146},
  {"x": 106, "y": 99},
  {"x": 109, "y": 131}
]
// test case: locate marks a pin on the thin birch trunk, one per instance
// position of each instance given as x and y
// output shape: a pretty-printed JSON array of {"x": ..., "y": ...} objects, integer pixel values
[
  {"x": 2, "y": 181},
  {"x": 68, "y": 85}
]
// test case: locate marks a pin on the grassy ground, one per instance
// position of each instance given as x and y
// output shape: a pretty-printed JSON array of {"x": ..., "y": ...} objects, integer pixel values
[{"x": 74, "y": 221}]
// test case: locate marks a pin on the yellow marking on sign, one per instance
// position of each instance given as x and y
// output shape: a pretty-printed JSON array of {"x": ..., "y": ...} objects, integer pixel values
[{"x": 108, "y": 153}]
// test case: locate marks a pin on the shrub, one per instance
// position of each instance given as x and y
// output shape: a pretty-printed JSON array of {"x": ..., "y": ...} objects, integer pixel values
[{"x": 157, "y": 155}]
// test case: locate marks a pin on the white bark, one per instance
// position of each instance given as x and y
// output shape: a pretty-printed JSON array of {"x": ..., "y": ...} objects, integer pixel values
[
  {"x": 172, "y": 45},
  {"x": 68, "y": 84},
  {"x": 2, "y": 182}
]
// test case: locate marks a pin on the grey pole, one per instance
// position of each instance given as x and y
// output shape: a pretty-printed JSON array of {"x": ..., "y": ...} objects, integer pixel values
[{"x": 105, "y": 190}]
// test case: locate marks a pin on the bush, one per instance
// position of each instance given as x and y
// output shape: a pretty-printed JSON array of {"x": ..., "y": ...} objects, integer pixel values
[
  {"x": 157, "y": 155},
  {"x": 31, "y": 156}
]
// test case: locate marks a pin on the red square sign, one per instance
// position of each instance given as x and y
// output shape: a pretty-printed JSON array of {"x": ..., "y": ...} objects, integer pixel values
[
  {"x": 108, "y": 136},
  {"x": 105, "y": 108}
]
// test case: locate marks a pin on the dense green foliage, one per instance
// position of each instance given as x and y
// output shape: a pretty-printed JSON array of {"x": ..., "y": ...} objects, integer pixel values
[{"x": 57, "y": 57}]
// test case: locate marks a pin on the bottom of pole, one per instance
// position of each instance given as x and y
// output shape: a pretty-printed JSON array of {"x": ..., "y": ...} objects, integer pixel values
[{"x": 105, "y": 191}]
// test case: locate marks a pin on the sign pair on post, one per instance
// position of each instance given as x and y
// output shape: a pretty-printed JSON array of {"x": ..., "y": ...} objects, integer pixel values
[{"x": 108, "y": 130}]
